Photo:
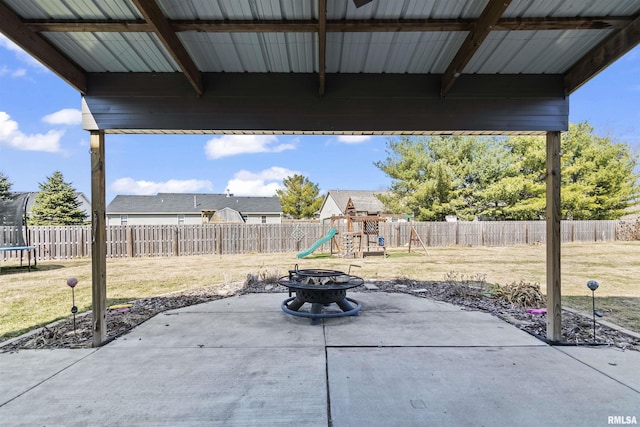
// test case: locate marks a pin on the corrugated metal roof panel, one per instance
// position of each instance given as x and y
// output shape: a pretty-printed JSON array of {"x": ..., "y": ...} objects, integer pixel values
[
  {"x": 549, "y": 52},
  {"x": 253, "y": 52},
  {"x": 28, "y": 10},
  {"x": 407, "y": 9},
  {"x": 191, "y": 10},
  {"x": 375, "y": 52},
  {"x": 239, "y": 9},
  {"x": 74, "y": 9},
  {"x": 114, "y": 52},
  {"x": 206, "y": 49},
  {"x": 391, "y": 52},
  {"x": 119, "y": 9},
  {"x": 574, "y": 8}
]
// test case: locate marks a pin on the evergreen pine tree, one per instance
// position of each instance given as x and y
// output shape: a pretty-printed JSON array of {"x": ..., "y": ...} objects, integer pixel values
[
  {"x": 299, "y": 198},
  {"x": 56, "y": 203},
  {"x": 5, "y": 186}
]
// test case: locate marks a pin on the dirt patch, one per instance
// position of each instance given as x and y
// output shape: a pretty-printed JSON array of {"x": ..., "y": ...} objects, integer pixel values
[{"x": 576, "y": 329}]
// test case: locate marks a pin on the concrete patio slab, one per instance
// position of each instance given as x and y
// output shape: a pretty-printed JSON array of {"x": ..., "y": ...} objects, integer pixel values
[
  {"x": 429, "y": 329},
  {"x": 397, "y": 302},
  {"x": 241, "y": 361},
  {"x": 250, "y": 303},
  {"x": 222, "y": 330},
  {"x": 534, "y": 386},
  {"x": 623, "y": 366},
  {"x": 170, "y": 387},
  {"x": 21, "y": 371}
]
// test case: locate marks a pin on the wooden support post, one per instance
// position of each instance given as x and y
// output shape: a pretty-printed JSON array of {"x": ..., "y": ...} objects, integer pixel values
[
  {"x": 98, "y": 239},
  {"x": 554, "y": 295}
]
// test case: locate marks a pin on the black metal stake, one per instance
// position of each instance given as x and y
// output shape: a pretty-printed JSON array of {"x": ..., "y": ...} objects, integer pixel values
[
  {"x": 593, "y": 285},
  {"x": 593, "y": 304},
  {"x": 72, "y": 282}
]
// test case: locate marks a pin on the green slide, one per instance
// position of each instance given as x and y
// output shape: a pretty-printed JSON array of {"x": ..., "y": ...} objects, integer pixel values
[{"x": 327, "y": 237}]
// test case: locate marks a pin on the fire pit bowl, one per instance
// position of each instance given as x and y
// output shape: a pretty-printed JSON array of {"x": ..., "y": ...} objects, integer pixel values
[{"x": 319, "y": 288}]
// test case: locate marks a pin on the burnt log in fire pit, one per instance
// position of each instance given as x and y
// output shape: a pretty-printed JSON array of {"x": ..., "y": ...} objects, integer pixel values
[{"x": 320, "y": 288}]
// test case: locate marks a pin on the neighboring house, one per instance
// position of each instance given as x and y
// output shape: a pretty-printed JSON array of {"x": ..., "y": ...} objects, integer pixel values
[
  {"x": 190, "y": 208},
  {"x": 353, "y": 202}
]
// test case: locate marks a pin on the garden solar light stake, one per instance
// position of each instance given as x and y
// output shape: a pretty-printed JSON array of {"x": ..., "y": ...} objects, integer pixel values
[
  {"x": 72, "y": 282},
  {"x": 593, "y": 285}
]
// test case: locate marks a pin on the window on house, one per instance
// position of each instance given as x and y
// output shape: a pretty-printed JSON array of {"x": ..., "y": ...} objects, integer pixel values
[
  {"x": 180, "y": 219},
  {"x": 264, "y": 219},
  {"x": 124, "y": 219}
]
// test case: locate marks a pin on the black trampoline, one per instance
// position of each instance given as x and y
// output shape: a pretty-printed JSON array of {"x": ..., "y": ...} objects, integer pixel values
[{"x": 13, "y": 228}]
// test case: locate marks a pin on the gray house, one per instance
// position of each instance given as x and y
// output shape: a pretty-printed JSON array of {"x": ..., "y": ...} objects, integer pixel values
[{"x": 190, "y": 208}]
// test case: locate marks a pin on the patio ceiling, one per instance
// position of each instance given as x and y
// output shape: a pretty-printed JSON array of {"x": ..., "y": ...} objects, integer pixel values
[{"x": 215, "y": 59}]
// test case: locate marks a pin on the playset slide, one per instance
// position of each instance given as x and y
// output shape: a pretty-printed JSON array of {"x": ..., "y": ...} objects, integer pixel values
[{"x": 327, "y": 238}]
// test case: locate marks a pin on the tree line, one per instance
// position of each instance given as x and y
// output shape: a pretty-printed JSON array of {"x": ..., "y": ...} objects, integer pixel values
[
  {"x": 494, "y": 178},
  {"x": 470, "y": 177}
]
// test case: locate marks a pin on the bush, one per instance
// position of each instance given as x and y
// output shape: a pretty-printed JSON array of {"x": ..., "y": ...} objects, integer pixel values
[{"x": 522, "y": 294}]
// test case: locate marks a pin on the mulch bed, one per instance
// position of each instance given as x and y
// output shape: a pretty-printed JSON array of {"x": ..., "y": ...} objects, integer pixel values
[{"x": 576, "y": 329}]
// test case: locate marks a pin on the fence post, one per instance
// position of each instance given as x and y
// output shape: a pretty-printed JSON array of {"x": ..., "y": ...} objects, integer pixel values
[
  {"x": 176, "y": 246},
  {"x": 129, "y": 242}
]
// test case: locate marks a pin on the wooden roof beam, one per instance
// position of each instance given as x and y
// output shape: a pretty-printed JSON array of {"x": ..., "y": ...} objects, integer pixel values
[
  {"x": 39, "y": 48},
  {"x": 602, "y": 56},
  {"x": 487, "y": 20},
  {"x": 163, "y": 29},
  {"x": 322, "y": 45},
  {"x": 333, "y": 26}
]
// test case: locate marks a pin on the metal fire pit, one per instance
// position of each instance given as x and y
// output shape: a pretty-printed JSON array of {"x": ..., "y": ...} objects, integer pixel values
[{"x": 320, "y": 288}]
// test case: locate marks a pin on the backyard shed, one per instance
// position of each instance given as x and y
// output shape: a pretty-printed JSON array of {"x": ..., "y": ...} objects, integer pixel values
[{"x": 412, "y": 67}]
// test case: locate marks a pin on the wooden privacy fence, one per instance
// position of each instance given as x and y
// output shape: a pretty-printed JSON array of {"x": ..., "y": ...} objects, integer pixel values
[{"x": 68, "y": 242}]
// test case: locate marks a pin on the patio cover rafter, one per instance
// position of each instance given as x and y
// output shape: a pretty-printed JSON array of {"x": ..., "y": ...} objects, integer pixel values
[
  {"x": 40, "y": 49},
  {"x": 333, "y": 26},
  {"x": 162, "y": 28},
  {"x": 481, "y": 29},
  {"x": 322, "y": 45},
  {"x": 603, "y": 55}
]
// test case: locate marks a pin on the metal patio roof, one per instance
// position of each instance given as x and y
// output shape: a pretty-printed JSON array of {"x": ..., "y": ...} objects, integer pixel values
[{"x": 448, "y": 40}]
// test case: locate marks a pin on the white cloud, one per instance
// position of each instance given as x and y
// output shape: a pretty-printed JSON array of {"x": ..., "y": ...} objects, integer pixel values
[
  {"x": 232, "y": 145},
  {"x": 141, "y": 187},
  {"x": 20, "y": 54},
  {"x": 353, "y": 139},
  {"x": 264, "y": 183},
  {"x": 11, "y": 136},
  {"x": 17, "y": 73},
  {"x": 66, "y": 116}
]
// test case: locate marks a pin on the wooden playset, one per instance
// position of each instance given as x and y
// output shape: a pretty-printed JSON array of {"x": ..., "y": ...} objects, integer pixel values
[{"x": 363, "y": 236}]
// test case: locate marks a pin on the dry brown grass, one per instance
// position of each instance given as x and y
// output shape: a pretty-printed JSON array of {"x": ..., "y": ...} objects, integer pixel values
[{"x": 30, "y": 299}]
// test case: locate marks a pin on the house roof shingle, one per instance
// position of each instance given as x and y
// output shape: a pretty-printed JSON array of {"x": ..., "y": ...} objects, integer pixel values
[
  {"x": 192, "y": 203},
  {"x": 363, "y": 200}
]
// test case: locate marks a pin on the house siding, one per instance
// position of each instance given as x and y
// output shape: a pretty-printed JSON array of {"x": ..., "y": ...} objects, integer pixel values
[
  {"x": 189, "y": 219},
  {"x": 329, "y": 209}
]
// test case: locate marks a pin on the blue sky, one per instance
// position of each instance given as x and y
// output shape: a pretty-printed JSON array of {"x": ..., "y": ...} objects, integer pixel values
[{"x": 40, "y": 132}]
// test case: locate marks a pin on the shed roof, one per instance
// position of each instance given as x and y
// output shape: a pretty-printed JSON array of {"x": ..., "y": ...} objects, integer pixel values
[
  {"x": 117, "y": 52},
  {"x": 184, "y": 203}
]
